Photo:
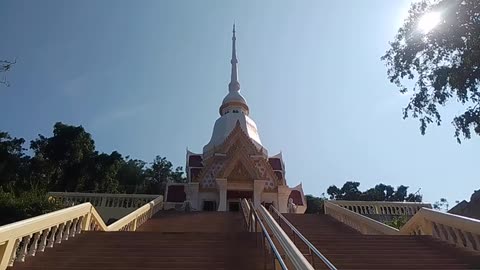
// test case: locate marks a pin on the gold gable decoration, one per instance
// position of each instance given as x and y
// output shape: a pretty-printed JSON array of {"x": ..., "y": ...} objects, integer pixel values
[
  {"x": 237, "y": 151},
  {"x": 239, "y": 174}
]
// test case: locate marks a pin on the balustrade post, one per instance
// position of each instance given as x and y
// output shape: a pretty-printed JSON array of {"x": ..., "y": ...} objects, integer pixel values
[
  {"x": 66, "y": 234},
  {"x": 103, "y": 202},
  {"x": 33, "y": 247},
  {"x": 134, "y": 227},
  {"x": 8, "y": 253},
  {"x": 53, "y": 233},
  {"x": 427, "y": 227},
  {"x": 73, "y": 229},
  {"x": 86, "y": 220},
  {"x": 43, "y": 241},
  {"x": 59, "y": 236},
  {"x": 24, "y": 249}
]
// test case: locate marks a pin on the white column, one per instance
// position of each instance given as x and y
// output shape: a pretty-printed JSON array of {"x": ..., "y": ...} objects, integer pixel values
[
  {"x": 258, "y": 187},
  {"x": 192, "y": 195},
  {"x": 283, "y": 194},
  {"x": 222, "y": 189}
]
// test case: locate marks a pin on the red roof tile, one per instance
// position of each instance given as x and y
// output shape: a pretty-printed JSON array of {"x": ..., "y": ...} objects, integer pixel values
[
  {"x": 296, "y": 196},
  {"x": 195, "y": 161},
  {"x": 275, "y": 163}
]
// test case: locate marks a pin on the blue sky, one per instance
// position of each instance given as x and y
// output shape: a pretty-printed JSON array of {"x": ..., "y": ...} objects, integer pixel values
[{"x": 146, "y": 78}]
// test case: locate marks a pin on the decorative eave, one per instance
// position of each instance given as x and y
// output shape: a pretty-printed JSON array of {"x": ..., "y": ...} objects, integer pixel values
[
  {"x": 232, "y": 147},
  {"x": 234, "y": 103},
  {"x": 239, "y": 155},
  {"x": 223, "y": 147}
]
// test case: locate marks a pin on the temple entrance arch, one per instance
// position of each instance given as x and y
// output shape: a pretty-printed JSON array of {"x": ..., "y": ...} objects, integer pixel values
[{"x": 234, "y": 197}]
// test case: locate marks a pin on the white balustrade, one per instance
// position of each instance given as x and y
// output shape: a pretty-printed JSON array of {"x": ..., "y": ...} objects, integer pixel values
[
  {"x": 109, "y": 206},
  {"x": 454, "y": 229},
  {"x": 135, "y": 219},
  {"x": 458, "y": 230},
  {"x": 103, "y": 199},
  {"x": 382, "y": 207},
  {"x": 26, "y": 238},
  {"x": 357, "y": 221}
]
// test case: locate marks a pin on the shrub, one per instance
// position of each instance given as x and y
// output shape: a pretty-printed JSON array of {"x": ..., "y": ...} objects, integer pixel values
[
  {"x": 16, "y": 207},
  {"x": 397, "y": 222}
]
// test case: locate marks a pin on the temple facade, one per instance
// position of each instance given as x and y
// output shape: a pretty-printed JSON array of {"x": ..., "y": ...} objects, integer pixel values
[{"x": 234, "y": 164}]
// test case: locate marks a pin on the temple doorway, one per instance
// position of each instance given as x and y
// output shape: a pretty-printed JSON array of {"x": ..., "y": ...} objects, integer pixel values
[
  {"x": 209, "y": 206},
  {"x": 234, "y": 206},
  {"x": 234, "y": 197}
]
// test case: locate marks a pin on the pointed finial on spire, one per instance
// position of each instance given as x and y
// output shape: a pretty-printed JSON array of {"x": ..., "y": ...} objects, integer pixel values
[{"x": 234, "y": 85}]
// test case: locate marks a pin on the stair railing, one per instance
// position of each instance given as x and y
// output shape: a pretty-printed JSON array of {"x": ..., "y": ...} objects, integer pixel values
[
  {"x": 103, "y": 200},
  {"x": 133, "y": 220},
  {"x": 252, "y": 222},
  {"x": 361, "y": 223},
  {"x": 28, "y": 237},
  {"x": 295, "y": 257},
  {"x": 382, "y": 208},
  {"x": 457, "y": 230},
  {"x": 312, "y": 250}
]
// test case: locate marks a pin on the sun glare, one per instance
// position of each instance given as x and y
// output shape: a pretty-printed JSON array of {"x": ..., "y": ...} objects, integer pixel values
[{"x": 429, "y": 21}]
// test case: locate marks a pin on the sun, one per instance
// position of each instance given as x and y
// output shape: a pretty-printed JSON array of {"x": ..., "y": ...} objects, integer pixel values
[{"x": 429, "y": 21}]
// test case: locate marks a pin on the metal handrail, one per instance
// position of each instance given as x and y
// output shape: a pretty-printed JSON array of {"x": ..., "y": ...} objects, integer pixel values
[
  {"x": 253, "y": 218},
  {"x": 311, "y": 247}
]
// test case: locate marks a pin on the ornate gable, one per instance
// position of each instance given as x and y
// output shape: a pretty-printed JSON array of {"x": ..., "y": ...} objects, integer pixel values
[
  {"x": 238, "y": 137},
  {"x": 238, "y": 156},
  {"x": 238, "y": 159}
]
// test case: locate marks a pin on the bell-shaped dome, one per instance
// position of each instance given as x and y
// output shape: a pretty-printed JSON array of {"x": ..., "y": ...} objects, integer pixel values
[
  {"x": 234, "y": 96},
  {"x": 234, "y": 101}
]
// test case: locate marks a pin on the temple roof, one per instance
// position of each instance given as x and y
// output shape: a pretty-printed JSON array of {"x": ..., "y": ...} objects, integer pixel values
[{"x": 234, "y": 110}]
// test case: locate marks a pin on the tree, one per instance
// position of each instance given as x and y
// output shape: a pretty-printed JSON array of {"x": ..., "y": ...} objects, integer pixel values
[
  {"x": 13, "y": 161},
  {"x": 381, "y": 192},
  {"x": 442, "y": 204},
  {"x": 103, "y": 170},
  {"x": 314, "y": 204},
  {"x": 6, "y": 66},
  {"x": 441, "y": 62},
  {"x": 398, "y": 222},
  {"x": 66, "y": 155},
  {"x": 67, "y": 161},
  {"x": 161, "y": 173},
  {"x": 131, "y": 176}
]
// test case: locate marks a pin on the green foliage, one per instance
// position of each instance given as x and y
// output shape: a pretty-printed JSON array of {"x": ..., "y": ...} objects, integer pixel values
[
  {"x": 5, "y": 66},
  {"x": 26, "y": 204},
  {"x": 66, "y": 154},
  {"x": 314, "y": 204},
  {"x": 67, "y": 161},
  {"x": 397, "y": 222},
  {"x": 12, "y": 159},
  {"x": 442, "y": 204},
  {"x": 381, "y": 192},
  {"x": 160, "y": 173},
  {"x": 131, "y": 176},
  {"x": 444, "y": 63}
]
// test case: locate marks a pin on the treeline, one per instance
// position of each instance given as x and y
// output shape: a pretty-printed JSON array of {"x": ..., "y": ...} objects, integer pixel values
[
  {"x": 68, "y": 161},
  {"x": 350, "y": 192},
  {"x": 381, "y": 192}
]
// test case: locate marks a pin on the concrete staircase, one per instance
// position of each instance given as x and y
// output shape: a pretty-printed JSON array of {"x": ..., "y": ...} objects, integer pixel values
[
  {"x": 170, "y": 240},
  {"x": 348, "y": 249}
]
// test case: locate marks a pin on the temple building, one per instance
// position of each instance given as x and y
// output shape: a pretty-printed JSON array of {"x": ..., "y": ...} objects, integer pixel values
[{"x": 234, "y": 164}]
